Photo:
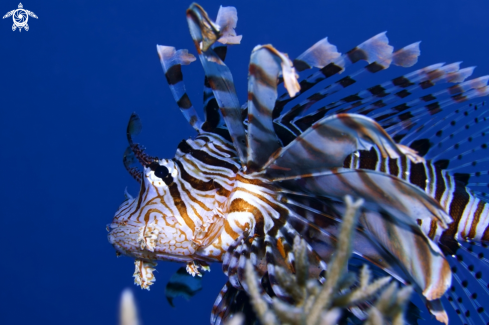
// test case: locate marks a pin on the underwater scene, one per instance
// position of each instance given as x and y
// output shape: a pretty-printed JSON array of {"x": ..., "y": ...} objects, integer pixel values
[{"x": 300, "y": 163}]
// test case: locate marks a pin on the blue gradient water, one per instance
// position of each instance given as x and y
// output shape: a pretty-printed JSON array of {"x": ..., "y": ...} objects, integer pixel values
[{"x": 67, "y": 89}]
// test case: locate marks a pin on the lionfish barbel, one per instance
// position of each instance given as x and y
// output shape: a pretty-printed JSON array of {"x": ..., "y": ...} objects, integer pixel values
[{"x": 258, "y": 175}]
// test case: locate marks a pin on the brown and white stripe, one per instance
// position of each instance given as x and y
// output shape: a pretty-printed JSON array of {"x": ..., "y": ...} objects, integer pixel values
[
  {"x": 243, "y": 192},
  {"x": 470, "y": 213},
  {"x": 171, "y": 62}
]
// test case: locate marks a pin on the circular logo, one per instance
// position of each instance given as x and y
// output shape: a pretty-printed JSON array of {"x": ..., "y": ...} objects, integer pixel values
[{"x": 20, "y": 17}]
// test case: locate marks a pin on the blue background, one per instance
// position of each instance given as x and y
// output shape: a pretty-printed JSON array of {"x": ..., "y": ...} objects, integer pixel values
[{"x": 67, "y": 89}]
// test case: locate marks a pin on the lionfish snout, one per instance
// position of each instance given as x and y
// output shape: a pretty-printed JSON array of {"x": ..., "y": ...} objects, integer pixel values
[{"x": 147, "y": 227}]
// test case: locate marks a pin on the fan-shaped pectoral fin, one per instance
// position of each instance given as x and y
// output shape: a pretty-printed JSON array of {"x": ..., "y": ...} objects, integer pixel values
[
  {"x": 266, "y": 64},
  {"x": 328, "y": 142},
  {"x": 319, "y": 55},
  {"x": 221, "y": 309},
  {"x": 388, "y": 235},
  {"x": 436, "y": 308},
  {"x": 418, "y": 256},
  {"x": 401, "y": 250},
  {"x": 381, "y": 192}
]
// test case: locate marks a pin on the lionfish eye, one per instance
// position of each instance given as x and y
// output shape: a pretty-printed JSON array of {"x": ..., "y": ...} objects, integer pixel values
[{"x": 161, "y": 172}]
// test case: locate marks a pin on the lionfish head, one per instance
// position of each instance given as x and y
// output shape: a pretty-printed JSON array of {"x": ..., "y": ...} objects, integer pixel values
[{"x": 147, "y": 227}]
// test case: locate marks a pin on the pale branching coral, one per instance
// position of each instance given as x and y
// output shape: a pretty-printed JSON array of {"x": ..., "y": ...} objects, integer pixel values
[
  {"x": 341, "y": 291},
  {"x": 128, "y": 312}
]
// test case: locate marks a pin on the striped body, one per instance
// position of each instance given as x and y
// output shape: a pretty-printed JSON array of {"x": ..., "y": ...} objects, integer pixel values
[
  {"x": 470, "y": 213},
  {"x": 202, "y": 178},
  {"x": 261, "y": 174},
  {"x": 208, "y": 205}
]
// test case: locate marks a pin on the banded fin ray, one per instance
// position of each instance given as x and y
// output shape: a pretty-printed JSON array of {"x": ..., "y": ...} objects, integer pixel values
[
  {"x": 410, "y": 83},
  {"x": 418, "y": 255},
  {"x": 409, "y": 119},
  {"x": 406, "y": 56},
  {"x": 403, "y": 251},
  {"x": 450, "y": 73},
  {"x": 227, "y": 18},
  {"x": 231, "y": 301},
  {"x": 214, "y": 121},
  {"x": 462, "y": 136},
  {"x": 373, "y": 49},
  {"x": 205, "y": 33},
  {"x": 265, "y": 65},
  {"x": 455, "y": 119},
  {"x": 171, "y": 61},
  {"x": 458, "y": 137},
  {"x": 387, "y": 91},
  {"x": 385, "y": 110},
  {"x": 370, "y": 242},
  {"x": 399, "y": 88},
  {"x": 319, "y": 55}
]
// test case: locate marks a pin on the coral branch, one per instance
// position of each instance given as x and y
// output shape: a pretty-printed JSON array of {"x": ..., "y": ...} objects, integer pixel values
[{"x": 340, "y": 260}]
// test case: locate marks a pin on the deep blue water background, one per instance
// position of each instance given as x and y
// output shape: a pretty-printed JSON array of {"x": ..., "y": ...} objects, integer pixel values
[{"x": 67, "y": 89}]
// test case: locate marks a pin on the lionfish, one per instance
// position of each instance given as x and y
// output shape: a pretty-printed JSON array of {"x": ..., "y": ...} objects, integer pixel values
[{"x": 258, "y": 175}]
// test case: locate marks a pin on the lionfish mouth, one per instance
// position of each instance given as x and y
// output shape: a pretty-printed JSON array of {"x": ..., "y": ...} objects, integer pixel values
[{"x": 137, "y": 243}]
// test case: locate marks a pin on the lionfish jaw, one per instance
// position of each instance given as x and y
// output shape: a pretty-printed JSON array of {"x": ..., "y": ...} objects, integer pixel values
[{"x": 149, "y": 242}]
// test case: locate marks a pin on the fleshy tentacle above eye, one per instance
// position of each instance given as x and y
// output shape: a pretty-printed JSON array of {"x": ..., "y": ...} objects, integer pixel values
[
  {"x": 134, "y": 152},
  {"x": 129, "y": 160},
  {"x": 204, "y": 32},
  {"x": 134, "y": 127}
]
